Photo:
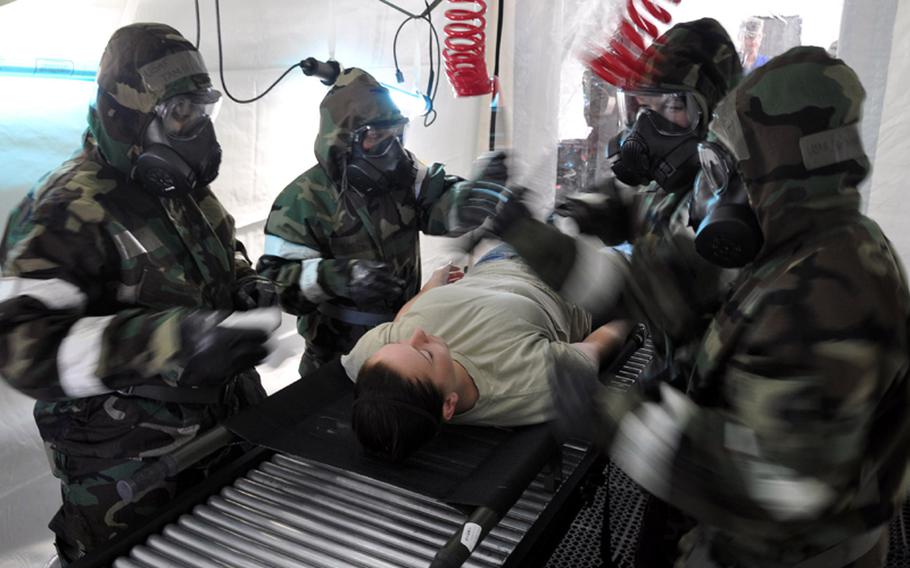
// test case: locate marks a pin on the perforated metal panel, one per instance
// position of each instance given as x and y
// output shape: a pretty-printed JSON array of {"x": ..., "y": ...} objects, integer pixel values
[
  {"x": 899, "y": 544},
  {"x": 581, "y": 546}
]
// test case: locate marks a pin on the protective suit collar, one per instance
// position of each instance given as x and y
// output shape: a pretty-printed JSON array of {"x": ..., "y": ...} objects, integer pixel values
[{"x": 791, "y": 126}]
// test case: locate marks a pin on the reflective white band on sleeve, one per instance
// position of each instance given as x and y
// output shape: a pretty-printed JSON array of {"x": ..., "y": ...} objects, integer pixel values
[
  {"x": 78, "y": 358},
  {"x": 309, "y": 286},
  {"x": 276, "y": 246},
  {"x": 648, "y": 439},
  {"x": 597, "y": 277},
  {"x": 54, "y": 293},
  {"x": 784, "y": 493},
  {"x": 265, "y": 319}
]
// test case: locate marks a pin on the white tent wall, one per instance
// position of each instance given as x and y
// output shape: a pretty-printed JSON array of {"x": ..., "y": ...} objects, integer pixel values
[
  {"x": 887, "y": 201},
  {"x": 867, "y": 44}
]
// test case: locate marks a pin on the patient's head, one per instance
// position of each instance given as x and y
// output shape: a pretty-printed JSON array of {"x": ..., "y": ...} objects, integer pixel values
[{"x": 403, "y": 394}]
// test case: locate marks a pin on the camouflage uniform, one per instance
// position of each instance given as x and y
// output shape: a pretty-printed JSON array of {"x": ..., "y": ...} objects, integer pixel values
[
  {"x": 97, "y": 275},
  {"x": 696, "y": 57},
  {"x": 321, "y": 221},
  {"x": 791, "y": 448}
]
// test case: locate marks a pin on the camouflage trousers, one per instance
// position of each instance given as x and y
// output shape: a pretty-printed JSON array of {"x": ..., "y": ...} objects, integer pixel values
[{"x": 93, "y": 513}]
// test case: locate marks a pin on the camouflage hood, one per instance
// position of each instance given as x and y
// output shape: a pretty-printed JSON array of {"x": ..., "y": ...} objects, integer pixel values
[
  {"x": 793, "y": 127},
  {"x": 356, "y": 99},
  {"x": 695, "y": 56},
  {"x": 142, "y": 65}
]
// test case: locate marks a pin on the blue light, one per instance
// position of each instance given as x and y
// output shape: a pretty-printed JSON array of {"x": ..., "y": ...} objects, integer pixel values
[
  {"x": 410, "y": 103},
  {"x": 48, "y": 69}
]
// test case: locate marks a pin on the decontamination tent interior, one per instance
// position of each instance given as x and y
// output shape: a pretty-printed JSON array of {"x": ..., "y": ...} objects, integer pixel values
[{"x": 269, "y": 142}]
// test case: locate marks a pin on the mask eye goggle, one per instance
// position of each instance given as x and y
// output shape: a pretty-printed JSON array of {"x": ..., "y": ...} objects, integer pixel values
[
  {"x": 679, "y": 110},
  {"x": 375, "y": 141},
  {"x": 183, "y": 115},
  {"x": 718, "y": 166}
]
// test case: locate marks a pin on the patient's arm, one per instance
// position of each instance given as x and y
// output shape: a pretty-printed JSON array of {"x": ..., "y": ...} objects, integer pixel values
[
  {"x": 605, "y": 340},
  {"x": 441, "y": 276}
]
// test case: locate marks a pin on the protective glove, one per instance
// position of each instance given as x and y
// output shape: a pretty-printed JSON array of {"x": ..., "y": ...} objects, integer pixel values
[
  {"x": 590, "y": 211},
  {"x": 510, "y": 212},
  {"x": 254, "y": 291},
  {"x": 574, "y": 387},
  {"x": 365, "y": 282},
  {"x": 475, "y": 202},
  {"x": 491, "y": 167},
  {"x": 218, "y": 344}
]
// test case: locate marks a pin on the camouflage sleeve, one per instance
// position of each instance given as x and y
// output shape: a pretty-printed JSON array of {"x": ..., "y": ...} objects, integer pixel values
[
  {"x": 787, "y": 447},
  {"x": 604, "y": 211},
  {"x": 292, "y": 252},
  {"x": 243, "y": 266},
  {"x": 641, "y": 206},
  {"x": 59, "y": 338},
  {"x": 580, "y": 269},
  {"x": 436, "y": 200},
  {"x": 671, "y": 286}
]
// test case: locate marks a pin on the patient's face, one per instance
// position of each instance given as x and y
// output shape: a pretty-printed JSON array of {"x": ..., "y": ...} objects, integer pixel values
[{"x": 423, "y": 357}]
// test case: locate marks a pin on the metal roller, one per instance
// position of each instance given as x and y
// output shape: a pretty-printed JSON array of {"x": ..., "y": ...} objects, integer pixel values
[
  {"x": 154, "y": 558},
  {"x": 205, "y": 546},
  {"x": 129, "y": 563},
  {"x": 351, "y": 514},
  {"x": 358, "y": 532},
  {"x": 266, "y": 555},
  {"x": 371, "y": 542},
  {"x": 293, "y": 541},
  {"x": 347, "y": 509},
  {"x": 184, "y": 554},
  {"x": 291, "y": 512}
]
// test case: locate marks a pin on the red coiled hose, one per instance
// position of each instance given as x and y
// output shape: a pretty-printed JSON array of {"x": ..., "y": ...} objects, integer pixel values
[
  {"x": 620, "y": 63},
  {"x": 465, "y": 49}
]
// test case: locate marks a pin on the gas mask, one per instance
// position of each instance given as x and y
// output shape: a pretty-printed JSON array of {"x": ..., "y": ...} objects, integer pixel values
[
  {"x": 378, "y": 162},
  {"x": 726, "y": 229},
  {"x": 659, "y": 141},
  {"x": 180, "y": 150}
]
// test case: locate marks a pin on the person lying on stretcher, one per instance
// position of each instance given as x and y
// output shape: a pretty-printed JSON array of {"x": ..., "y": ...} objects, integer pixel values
[{"x": 475, "y": 351}]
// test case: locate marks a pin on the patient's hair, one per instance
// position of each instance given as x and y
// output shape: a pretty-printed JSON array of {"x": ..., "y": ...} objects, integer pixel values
[{"x": 393, "y": 415}]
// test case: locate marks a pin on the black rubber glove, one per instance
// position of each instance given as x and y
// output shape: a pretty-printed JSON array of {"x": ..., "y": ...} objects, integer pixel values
[
  {"x": 573, "y": 386},
  {"x": 213, "y": 353},
  {"x": 476, "y": 202},
  {"x": 365, "y": 282},
  {"x": 491, "y": 167},
  {"x": 510, "y": 213},
  {"x": 590, "y": 211},
  {"x": 254, "y": 291}
]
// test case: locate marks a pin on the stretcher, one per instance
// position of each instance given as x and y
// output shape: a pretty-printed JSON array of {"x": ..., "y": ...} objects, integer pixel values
[{"x": 305, "y": 495}]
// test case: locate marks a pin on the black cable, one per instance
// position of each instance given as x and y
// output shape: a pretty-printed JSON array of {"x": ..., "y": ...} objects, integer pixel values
[
  {"x": 198, "y": 26},
  {"x": 221, "y": 64},
  {"x": 430, "y": 117},
  {"x": 435, "y": 68},
  {"x": 494, "y": 109},
  {"x": 429, "y": 9}
]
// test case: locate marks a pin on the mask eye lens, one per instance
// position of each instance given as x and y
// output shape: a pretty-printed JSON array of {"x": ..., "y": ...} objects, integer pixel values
[
  {"x": 715, "y": 167},
  {"x": 377, "y": 141},
  {"x": 675, "y": 113},
  {"x": 182, "y": 117}
]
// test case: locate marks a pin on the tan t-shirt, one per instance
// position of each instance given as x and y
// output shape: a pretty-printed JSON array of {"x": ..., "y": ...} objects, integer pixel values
[{"x": 505, "y": 327}]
